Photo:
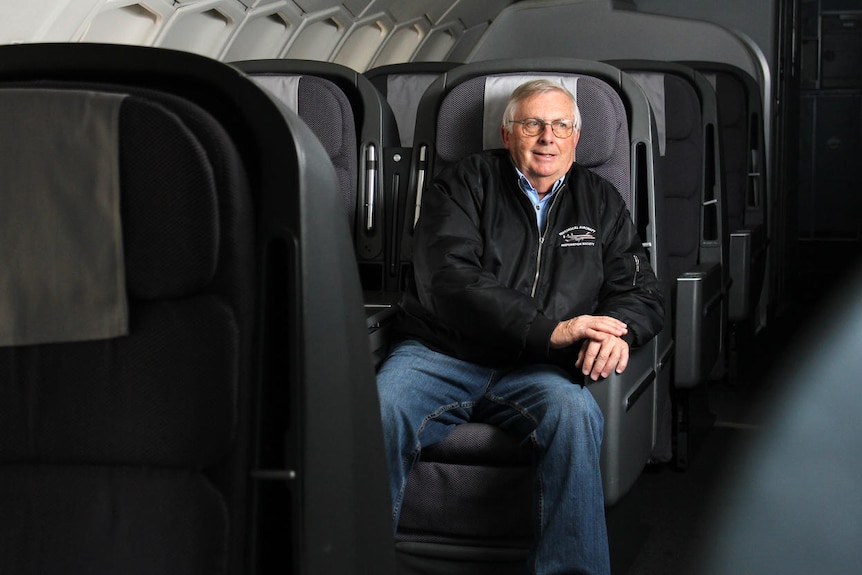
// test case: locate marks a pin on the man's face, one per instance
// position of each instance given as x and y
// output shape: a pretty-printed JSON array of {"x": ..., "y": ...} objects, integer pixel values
[{"x": 544, "y": 158}]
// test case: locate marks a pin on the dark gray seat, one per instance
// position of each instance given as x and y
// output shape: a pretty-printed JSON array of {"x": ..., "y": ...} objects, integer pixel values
[
  {"x": 741, "y": 126},
  {"x": 187, "y": 437},
  {"x": 402, "y": 85},
  {"x": 479, "y": 467},
  {"x": 356, "y": 125},
  {"x": 358, "y": 130},
  {"x": 695, "y": 228}
]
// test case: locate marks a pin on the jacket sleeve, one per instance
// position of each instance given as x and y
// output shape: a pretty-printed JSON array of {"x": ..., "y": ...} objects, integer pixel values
[
  {"x": 630, "y": 291},
  {"x": 447, "y": 255}
]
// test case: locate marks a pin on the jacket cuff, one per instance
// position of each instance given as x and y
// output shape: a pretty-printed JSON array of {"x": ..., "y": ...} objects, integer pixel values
[
  {"x": 630, "y": 338},
  {"x": 539, "y": 336}
]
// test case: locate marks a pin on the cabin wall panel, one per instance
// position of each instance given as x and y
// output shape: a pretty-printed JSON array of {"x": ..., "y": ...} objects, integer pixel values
[
  {"x": 362, "y": 42},
  {"x": 438, "y": 44},
  {"x": 263, "y": 33},
  {"x": 45, "y": 20},
  {"x": 318, "y": 37},
  {"x": 475, "y": 13},
  {"x": 202, "y": 27},
  {"x": 132, "y": 23},
  {"x": 402, "y": 43}
]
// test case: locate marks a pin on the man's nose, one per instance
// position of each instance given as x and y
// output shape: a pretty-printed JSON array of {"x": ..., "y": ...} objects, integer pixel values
[{"x": 547, "y": 133}]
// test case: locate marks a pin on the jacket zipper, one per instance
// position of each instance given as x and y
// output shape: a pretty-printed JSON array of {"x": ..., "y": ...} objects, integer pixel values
[
  {"x": 541, "y": 235},
  {"x": 637, "y": 269}
]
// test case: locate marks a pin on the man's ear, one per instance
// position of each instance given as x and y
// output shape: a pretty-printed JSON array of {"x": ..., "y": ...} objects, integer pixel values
[{"x": 505, "y": 135}]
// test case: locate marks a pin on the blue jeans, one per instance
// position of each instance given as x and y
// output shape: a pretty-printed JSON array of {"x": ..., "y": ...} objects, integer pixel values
[{"x": 424, "y": 394}]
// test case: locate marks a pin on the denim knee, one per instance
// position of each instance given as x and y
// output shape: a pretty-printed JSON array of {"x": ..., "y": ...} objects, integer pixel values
[{"x": 571, "y": 407}]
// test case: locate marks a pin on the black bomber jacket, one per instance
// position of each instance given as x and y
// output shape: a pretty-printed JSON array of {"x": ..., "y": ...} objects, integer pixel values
[{"x": 488, "y": 288}]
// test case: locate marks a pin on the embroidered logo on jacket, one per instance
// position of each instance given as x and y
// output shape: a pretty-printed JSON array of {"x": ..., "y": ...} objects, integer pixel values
[{"x": 578, "y": 236}]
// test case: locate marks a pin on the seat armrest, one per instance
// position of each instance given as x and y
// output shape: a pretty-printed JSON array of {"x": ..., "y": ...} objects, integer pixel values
[
  {"x": 739, "y": 295},
  {"x": 380, "y": 311},
  {"x": 627, "y": 403},
  {"x": 747, "y": 270},
  {"x": 697, "y": 325}
]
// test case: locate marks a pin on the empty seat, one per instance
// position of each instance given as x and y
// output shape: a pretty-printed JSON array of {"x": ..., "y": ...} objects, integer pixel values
[
  {"x": 695, "y": 227},
  {"x": 479, "y": 467},
  {"x": 358, "y": 129},
  {"x": 182, "y": 426},
  {"x": 741, "y": 125},
  {"x": 403, "y": 85},
  {"x": 356, "y": 125}
]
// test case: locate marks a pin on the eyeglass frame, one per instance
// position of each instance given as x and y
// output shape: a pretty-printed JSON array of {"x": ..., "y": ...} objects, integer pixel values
[{"x": 543, "y": 124}]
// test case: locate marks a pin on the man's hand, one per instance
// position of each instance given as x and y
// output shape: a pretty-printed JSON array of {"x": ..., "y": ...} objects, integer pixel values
[
  {"x": 592, "y": 327},
  {"x": 602, "y": 351},
  {"x": 599, "y": 358}
]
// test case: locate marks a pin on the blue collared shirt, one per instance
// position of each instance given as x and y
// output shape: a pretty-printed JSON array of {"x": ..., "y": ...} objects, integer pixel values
[{"x": 542, "y": 206}]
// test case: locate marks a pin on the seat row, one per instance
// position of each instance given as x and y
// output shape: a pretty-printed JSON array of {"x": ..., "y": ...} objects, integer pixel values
[
  {"x": 256, "y": 207},
  {"x": 680, "y": 141}
]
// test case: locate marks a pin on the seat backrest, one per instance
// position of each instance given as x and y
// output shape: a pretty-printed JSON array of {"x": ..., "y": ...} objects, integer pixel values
[
  {"x": 690, "y": 161},
  {"x": 460, "y": 113},
  {"x": 403, "y": 85},
  {"x": 470, "y": 114},
  {"x": 172, "y": 438},
  {"x": 681, "y": 165},
  {"x": 324, "y": 107},
  {"x": 743, "y": 149},
  {"x": 695, "y": 223},
  {"x": 355, "y": 124},
  {"x": 740, "y": 120}
]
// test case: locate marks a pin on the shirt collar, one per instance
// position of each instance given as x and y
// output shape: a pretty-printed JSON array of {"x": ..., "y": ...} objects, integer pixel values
[{"x": 528, "y": 188}]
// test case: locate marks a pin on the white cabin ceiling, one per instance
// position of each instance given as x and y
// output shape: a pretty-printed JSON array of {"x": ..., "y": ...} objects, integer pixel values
[{"x": 357, "y": 33}]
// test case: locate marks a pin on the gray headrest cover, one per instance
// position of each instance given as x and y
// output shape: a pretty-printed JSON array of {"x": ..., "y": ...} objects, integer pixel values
[
  {"x": 62, "y": 272},
  {"x": 652, "y": 83}
]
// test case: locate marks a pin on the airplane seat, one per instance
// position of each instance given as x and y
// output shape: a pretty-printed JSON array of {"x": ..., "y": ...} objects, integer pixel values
[
  {"x": 695, "y": 227},
  {"x": 332, "y": 99},
  {"x": 402, "y": 85},
  {"x": 468, "y": 499},
  {"x": 161, "y": 394},
  {"x": 740, "y": 121},
  {"x": 358, "y": 128},
  {"x": 325, "y": 108}
]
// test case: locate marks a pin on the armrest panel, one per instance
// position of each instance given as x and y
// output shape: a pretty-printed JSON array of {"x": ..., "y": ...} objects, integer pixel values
[
  {"x": 697, "y": 324},
  {"x": 627, "y": 403},
  {"x": 380, "y": 313}
]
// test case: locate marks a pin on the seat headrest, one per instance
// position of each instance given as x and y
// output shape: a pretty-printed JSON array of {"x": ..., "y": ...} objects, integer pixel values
[
  {"x": 325, "y": 108},
  {"x": 680, "y": 96},
  {"x": 403, "y": 92},
  {"x": 482, "y": 101},
  {"x": 653, "y": 86}
]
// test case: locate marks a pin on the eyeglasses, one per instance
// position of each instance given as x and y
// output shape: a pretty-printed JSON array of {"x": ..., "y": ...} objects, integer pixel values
[{"x": 535, "y": 126}]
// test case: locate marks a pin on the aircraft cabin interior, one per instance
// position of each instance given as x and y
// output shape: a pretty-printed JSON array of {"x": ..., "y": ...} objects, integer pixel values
[{"x": 207, "y": 213}]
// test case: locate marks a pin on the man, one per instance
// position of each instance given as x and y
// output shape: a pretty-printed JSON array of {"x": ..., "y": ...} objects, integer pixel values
[{"x": 529, "y": 278}]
